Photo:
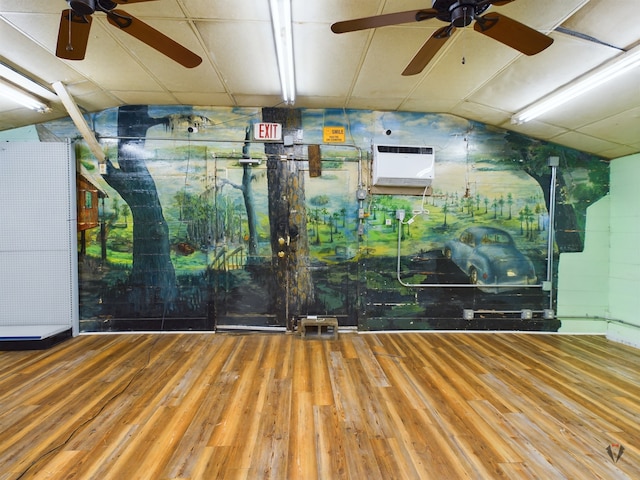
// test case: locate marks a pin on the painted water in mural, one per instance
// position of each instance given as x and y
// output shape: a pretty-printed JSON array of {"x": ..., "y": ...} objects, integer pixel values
[{"x": 201, "y": 227}]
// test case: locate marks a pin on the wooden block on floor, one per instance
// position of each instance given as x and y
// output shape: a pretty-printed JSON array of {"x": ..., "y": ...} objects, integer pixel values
[{"x": 330, "y": 324}]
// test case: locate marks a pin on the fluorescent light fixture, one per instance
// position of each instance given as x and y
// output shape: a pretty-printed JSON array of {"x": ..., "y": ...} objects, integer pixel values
[
  {"x": 283, "y": 37},
  {"x": 15, "y": 94},
  {"x": 22, "y": 90},
  {"x": 609, "y": 70}
]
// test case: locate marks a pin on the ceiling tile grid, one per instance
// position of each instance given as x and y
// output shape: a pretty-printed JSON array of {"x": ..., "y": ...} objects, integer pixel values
[{"x": 472, "y": 76}]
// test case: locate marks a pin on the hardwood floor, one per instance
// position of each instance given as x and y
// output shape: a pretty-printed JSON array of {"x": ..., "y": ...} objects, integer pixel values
[{"x": 375, "y": 406}]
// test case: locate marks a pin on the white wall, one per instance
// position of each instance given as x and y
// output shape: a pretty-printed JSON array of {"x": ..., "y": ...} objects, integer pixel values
[
  {"x": 624, "y": 254},
  {"x": 599, "y": 288},
  {"x": 583, "y": 277}
]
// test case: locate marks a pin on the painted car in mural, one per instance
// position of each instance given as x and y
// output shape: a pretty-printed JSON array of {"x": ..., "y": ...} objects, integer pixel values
[{"x": 489, "y": 256}]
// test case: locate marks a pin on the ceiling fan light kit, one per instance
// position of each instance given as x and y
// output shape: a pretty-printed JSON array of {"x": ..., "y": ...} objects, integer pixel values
[{"x": 458, "y": 14}]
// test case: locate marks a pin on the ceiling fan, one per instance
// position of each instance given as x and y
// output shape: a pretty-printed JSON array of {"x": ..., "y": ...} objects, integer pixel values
[
  {"x": 75, "y": 25},
  {"x": 458, "y": 13}
]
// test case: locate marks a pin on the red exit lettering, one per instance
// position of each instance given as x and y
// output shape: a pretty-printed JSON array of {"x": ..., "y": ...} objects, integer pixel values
[{"x": 267, "y": 131}]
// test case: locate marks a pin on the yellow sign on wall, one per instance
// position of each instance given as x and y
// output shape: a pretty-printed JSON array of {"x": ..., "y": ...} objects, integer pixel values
[{"x": 333, "y": 135}]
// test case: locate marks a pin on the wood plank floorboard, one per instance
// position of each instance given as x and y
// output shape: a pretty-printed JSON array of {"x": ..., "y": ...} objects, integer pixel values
[{"x": 276, "y": 406}]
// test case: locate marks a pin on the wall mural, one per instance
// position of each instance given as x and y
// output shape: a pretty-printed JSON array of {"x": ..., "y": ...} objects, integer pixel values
[{"x": 200, "y": 227}]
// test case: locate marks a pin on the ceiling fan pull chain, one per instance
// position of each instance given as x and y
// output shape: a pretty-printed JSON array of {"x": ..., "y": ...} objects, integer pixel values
[
  {"x": 69, "y": 44},
  {"x": 464, "y": 36}
]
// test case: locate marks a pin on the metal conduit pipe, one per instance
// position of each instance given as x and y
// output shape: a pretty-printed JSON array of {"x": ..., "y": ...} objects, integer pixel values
[{"x": 553, "y": 163}]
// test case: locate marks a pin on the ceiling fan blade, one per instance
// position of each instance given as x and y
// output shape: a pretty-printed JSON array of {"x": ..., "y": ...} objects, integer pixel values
[
  {"x": 512, "y": 33},
  {"x": 383, "y": 20},
  {"x": 153, "y": 38},
  {"x": 429, "y": 50},
  {"x": 73, "y": 35}
]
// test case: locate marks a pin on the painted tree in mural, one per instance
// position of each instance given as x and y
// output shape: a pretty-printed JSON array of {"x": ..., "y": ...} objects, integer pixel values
[
  {"x": 293, "y": 289},
  {"x": 534, "y": 156},
  {"x": 152, "y": 280},
  {"x": 247, "y": 195}
]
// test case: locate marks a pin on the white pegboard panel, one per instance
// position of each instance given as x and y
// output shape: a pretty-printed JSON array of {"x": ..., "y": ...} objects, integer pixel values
[{"x": 38, "y": 239}]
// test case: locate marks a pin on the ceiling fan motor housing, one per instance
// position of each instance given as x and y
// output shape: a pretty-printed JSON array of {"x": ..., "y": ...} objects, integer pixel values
[
  {"x": 106, "y": 5},
  {"x": 459, "y": 13},
  {"x": 88, "y": 7},
  {"x": 83, "y": 7}
]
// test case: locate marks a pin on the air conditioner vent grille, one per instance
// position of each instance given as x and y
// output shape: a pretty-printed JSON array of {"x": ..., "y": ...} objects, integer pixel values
[{"x": 403, "y": 166}]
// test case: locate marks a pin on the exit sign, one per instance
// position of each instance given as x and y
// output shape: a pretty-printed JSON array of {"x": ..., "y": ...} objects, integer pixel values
[{"x": 267, "y": 132}]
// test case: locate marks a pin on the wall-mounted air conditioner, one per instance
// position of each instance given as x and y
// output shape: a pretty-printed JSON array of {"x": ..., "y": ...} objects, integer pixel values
[{"x": 403, "y": 166}]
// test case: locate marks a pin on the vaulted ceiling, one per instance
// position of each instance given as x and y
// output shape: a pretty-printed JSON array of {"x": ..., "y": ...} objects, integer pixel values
[{"x": 359, "y": 70}]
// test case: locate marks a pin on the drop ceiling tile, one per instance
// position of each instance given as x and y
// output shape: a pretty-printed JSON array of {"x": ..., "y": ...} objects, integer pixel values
[
  {"x": 253, "y": 100},
  {"x": 204, "y": 98},
  {"x": 624, "y": 127},
  {"x": 320, "y": 102},
  {"x": 611, "y": 21},
  {"x": 34, "y": 62},
  {"x": 133, "y": 97},
  {"x": 530, "y": 78},
  {"x": 12, "y": 115},
  {"x": 618, "y": 152},
  {"x": 32, "y": 40},
  {"x": 30, "y": 6},
  {"x": 581, "y": 141},
  {"x": 535, "y": 129},
  {"x": 374, "y": 103},
  {"x": 331, "y": 11},
  {"x": 481, "y": 113},
  {"x": 234, "y": 10},
  {"x": 153, "y": 10},
  {"x": 95, "y": 100},
  {"x": 245, "y": 52},
  {"x": 325, "y": 63},
  {"x": 542, "y": 15},
  {"x": 391, "y": 49},
  {"x": 463, "y": 68}
]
